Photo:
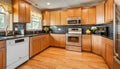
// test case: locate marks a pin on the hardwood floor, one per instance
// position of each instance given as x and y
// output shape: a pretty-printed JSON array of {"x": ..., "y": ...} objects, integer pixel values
[{"x": 56, "y": 58}]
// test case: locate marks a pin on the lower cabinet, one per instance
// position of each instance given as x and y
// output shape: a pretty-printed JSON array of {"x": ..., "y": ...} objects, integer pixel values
[
  {"x": 103, "y": 47},
  {"x": 116, "y": 65},
  {"x": 58, "y": 40},
  {"x": 109, "y": 53},
  {"x": 96, "y": 44},
  {"x": 2, "y": 55},
  {"x": 38, "y": 43},
  {"x": 86, "y": 42}
]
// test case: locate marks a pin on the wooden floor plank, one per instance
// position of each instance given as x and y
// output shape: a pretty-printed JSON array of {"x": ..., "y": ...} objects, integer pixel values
[{"x": 56, "y": 58}]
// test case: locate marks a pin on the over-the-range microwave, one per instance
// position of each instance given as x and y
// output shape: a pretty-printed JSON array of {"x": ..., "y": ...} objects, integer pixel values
[{"x": 74, "y": 21}]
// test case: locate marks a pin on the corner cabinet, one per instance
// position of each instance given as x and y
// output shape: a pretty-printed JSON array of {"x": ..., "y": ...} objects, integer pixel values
[
  {"x": 46, "y": 18},
  {"x": 55, "y": 18},
  {"x": 21, "y": 11},
  {"x": 2, "y": 55}
]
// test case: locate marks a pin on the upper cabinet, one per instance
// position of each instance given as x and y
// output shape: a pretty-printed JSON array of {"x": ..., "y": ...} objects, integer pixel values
[
  {"x": 63, "y": 17},
  {"x": 46, "y": 18},
  {"x": 109, "y": 11},
  {"x": 100, "y": 13},
  {"x": 74, "y": 12},
  {"x": 55, "y": 18},
  {"x": 21, "y": 11},
  {"x": 88, "y": 15}
]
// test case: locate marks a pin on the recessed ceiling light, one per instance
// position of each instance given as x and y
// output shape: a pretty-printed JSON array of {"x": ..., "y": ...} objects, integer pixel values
[{"x": 48, "y": 3}]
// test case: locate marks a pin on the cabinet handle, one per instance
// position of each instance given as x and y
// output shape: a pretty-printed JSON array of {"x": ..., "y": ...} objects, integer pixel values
[{"x": 117, "y": 60}]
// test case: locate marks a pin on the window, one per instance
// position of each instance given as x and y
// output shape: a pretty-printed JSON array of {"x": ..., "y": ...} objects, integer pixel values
[
  {"x": 2, "y": 18},
  {"x": 35, "y": 23}
]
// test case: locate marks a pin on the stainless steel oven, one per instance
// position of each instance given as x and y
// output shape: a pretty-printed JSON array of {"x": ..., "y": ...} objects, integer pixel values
[{"x": 73, "y": 39}]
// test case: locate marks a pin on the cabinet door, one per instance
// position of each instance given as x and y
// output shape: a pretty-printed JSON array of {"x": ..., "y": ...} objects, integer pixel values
[
  {"x": 58, "y": 40},
  {"x": 27, "y": 13},
  {"x": 100, "y": 13},
  {"x": 92, "y": 15},
  {"x": 86, "y": 42},
  {"x": 116, "y": 65},
  {"x": 46, "y": 18},
  {"x": 85, "y": 16},
  {"x": 34, "y": 46},
  {"x": 22, "y": 12},
  {"x": 2, "y": 58},
  {"x": 109, "y": 53},
  {"x": 70, "y": 13},
  {"x": 109, "y": 11},
  {"x": 63, "y": 17},
  {"x": 103, "y": 47},
  {"x": 77, "y": 12},
  {"x": 96, "y": 44},
  {"x": 55, "y": 18}
]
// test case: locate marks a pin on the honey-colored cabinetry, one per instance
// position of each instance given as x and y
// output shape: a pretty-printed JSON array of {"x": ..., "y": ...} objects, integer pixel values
[
  {"x": 21, "y": 11},
  {"x": 55, "y": 18},
  {"x": 100, "y": 14},
  {"x": 96, "y": 44},
  {"x": 58, "y": 40},
  {"x": 109, "y": 11},
  {"x": 74, "y": 12},
  {"x": 86, "y": 42},
  {"x": 88, "y": 15},
  {"x": 109, "y": 53},
  {"x": 2, "y": 55},
  {"x": 38, "y": 43},
  {"x": 116, "y": 65},
  {"x": 46, "y": 18},
  {"x": 63, "y": 17}
]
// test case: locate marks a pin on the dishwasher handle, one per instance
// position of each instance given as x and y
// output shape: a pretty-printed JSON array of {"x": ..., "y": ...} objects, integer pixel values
[{"x": 19, "y": 40}]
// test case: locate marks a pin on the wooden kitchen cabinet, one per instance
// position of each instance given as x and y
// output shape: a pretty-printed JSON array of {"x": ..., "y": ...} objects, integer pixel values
[
  {"x": 88, "y": 15},
  {"x": 96, "y": 44},
  {"x": 34, "y": 45},
  {"x": 46, "y": 18},
  {"x": 55, "y": 18},
  {"x": 74, "y": 12},
  {"x": 116, "y": 65},
  {"x": 38, "y": 44},
  {"x": 58, "y": 40},
  {"x": 109, "y": 11},
  {"x": 2, "y": 55},
  {"x": 92, "y": 15},
  {"x": 103, "y": 48},
  {"x": 21, "y": 11},
  {"x": 86, "y": 43},
  {"x": 109, "y": 53},
  {"x": 44, "y": 42},
  {"x": 100, "y": 14},
  {"x": 63, "y": 17}
]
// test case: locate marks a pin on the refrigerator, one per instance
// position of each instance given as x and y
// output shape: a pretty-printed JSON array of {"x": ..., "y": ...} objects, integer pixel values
[{"x": 116, "y": 63}]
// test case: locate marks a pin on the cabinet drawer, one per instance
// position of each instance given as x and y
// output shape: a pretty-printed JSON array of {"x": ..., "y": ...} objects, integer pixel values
[{"x": 2, "y": 44}]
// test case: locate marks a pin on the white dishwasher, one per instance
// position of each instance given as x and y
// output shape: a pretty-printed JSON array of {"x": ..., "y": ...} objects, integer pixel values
[{"x": 17, "y": 52}]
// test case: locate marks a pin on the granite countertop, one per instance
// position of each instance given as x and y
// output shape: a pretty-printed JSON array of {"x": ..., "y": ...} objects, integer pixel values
[{"x": 19, "y": 36}]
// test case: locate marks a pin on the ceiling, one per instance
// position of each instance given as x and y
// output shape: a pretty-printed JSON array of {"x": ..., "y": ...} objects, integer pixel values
[{"x": 57, "y": 4}]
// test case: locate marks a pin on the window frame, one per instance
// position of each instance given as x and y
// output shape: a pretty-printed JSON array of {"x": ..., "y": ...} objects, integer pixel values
[
  {"x": 4, "y": 13},
  {"x": 40, "y": 27}
]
